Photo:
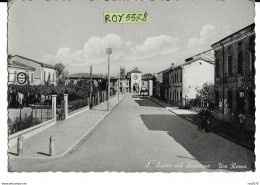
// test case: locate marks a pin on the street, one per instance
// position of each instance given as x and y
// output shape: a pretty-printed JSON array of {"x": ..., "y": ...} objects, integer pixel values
[{"x": 140, "y": 135}]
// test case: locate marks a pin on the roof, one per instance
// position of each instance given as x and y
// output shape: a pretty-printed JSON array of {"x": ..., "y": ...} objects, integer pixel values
[
  {"x": 165, "y": 70},
  {"x": 189, "y": 62},
  {"x": 87, "y": 76},
  {"x": 148, "y": 76},
  {"x": 250, "y": 27},
  {"x": 20, "y": 65},
  {"x": 41, "y": 63},
  {"x": 134, "y": 71}
]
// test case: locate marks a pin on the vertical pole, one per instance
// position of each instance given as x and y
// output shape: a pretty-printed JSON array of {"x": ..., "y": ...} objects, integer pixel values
[
  {"x": 47, "y": 113},
  {"x": 20, "y": 145},
  {"x": 90, "y": 92},
  {"x": 108, "y": 88},
  {"x": 65, "y": 106},
  {"x": 20, "y": 119},
  {"x": 53, "y": 98},
  {"x": 52, "y": 146}
]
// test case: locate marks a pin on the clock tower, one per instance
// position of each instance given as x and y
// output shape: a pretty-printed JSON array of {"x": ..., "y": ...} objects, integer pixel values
[{"x": 135, "y": 80}]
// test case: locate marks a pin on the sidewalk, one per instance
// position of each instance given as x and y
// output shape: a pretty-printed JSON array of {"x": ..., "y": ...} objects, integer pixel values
[
  {"x": 235, "y": 134},
  {"x": 67, "y": 133}
]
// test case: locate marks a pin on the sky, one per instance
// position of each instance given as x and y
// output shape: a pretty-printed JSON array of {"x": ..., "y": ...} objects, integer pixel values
[{"x": 73, "y": 32}]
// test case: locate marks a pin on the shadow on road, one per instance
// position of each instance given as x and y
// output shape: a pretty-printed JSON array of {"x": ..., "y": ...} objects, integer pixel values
[
  {"x": 207, "y": 148},
  {"x": 142, "y": 101}
]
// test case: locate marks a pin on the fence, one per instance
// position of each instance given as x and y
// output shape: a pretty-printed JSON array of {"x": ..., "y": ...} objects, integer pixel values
[
  {"x": 25, "y": 117},
  {"x": 75, "y": 105}
]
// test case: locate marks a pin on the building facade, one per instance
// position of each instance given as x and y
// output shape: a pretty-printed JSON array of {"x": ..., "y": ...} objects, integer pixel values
[
  {"x": 14, "y": 68},
  {"x": 43, "y": 73},
  {"x": 186, "y": 79},
  {"x": 135, "y": 79},
  {"x": 235, "y": 77}
]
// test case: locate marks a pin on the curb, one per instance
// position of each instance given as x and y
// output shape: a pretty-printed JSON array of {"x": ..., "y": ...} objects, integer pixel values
[
  {"x": 217, "y": 133},
  {"x": 86, "y": 135}
]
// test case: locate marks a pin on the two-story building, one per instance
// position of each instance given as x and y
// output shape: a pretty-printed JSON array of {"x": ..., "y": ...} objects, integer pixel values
[
  {"x": 135, "y": 79},
  {"x": 186, "y": 79},
  {"x": 15, "y": 67},
  {"x": 39, "y": 73},
  {"x": 162, "y": 85},
  {"x": 235, "y": 77}
]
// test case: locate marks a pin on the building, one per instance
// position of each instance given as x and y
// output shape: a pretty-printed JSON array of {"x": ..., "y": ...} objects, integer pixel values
[
  {"x": 98, "y": 80},
  {"x": 235, "y": 77},
  {"x": 124, "y": 82},
  {"x": 15, "y": 67},
  {"x": 42, "y": 73},
  {"x": 135, "y": 79},
  {"x": 148, "y": 81},
  {"x": 187, "y": 78},
  {"x": 162, "y": 84}
]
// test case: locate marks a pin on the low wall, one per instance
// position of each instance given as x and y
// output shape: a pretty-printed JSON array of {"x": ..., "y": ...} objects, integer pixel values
[
  {"x": 76, "y": 112},
  {"x": 26, "y": 133}
]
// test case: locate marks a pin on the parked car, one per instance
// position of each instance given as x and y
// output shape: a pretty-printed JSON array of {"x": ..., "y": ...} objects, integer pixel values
[{"x": 144, "y": 91}]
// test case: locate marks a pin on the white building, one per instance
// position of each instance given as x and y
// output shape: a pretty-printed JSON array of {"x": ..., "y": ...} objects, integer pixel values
[
  {"x": 14, "y": 68},
  {"x": 187, "y": 78},
  {"x": 42, "y": 73},
  {"x": 135, "y": 78}
]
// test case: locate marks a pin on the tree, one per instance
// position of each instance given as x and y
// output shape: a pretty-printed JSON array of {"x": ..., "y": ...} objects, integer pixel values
[
  {"x": 61, "y": 73},
  {"x": 207, "y": 93}
]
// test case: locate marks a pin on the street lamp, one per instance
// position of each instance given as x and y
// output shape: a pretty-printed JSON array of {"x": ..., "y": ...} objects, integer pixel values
[{"x": 108, "y": 52}]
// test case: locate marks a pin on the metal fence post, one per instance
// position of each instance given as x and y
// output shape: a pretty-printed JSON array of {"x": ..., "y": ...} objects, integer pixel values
[
  {"x": 53, "y": 99},
  {"x": 66, "y": 106},
  {"x": 52, "y": 146}
]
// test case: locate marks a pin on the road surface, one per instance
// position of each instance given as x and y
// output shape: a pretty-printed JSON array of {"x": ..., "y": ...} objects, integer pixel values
[{"x": 139, "y": 135}]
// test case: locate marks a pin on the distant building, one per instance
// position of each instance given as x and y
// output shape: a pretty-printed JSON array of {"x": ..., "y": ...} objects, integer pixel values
[
  {"x": 39, "y": 73},
  {"x": 135, "y": 79},
  {"x": 124, "y": 82},
  {"x": 235, "y": 77},
  {"x": 97, "y": 80},
  {"x": 162, "y": 84},
  {"x": 187, "y": 78}
]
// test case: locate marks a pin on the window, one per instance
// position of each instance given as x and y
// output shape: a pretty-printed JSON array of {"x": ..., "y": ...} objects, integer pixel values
[
  {"x": 15, "y": 74},
  {"x": 229, "y": 65},
  {"x": 44, "y": 78},
  {"x": 241, "y": 102},
  {"x": 229, "y": 99},
  {"x": 217, "y": 68},
  {"x": 239, "y": 63},
  {"x": 31, "y": 77},
  {"x": 180, "y": 95},
  {"x": 252, "y": 62},
  {"x": 239, "y": 44},
  {"x": 49, "y": 77},
  {"x": 53, "y": 77},
  {"x": 177, "y": 77},
  {"x": 181, "y": 77}
]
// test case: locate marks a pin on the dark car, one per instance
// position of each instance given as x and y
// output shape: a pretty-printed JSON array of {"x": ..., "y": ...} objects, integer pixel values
[{"x": 144, "y": 91}]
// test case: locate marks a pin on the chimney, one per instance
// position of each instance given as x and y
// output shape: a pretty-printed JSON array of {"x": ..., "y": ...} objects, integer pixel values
[{"x": 172, "y": 65}]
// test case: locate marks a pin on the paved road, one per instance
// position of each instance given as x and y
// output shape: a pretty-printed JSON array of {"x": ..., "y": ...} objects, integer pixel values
[{"x": 139, "y": 135}]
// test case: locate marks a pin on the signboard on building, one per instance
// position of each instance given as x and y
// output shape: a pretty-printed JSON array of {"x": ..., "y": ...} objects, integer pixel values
[{"x": 21, "y": 78}]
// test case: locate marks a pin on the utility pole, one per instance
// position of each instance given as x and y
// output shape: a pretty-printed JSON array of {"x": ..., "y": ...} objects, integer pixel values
[
  {"x": 108, "y": 52},
  {"x": 90, "y": 92}
]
